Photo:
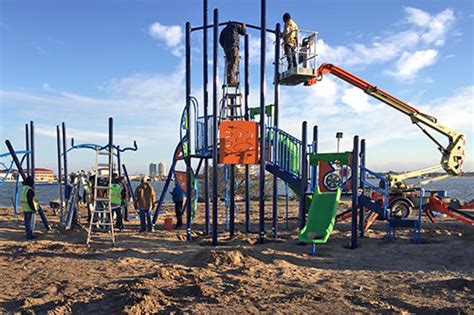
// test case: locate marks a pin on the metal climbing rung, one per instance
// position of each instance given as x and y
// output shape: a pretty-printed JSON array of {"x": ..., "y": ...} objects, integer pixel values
[{"x": 104, "y": 209}]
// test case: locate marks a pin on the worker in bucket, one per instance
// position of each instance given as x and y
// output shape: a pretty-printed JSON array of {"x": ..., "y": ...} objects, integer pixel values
[
  {"x": 290, "y": 40},
  {"x": 144, "y": 200},
  {"x": 30, "y": 206},
  {"x": 229, "y": 40}
]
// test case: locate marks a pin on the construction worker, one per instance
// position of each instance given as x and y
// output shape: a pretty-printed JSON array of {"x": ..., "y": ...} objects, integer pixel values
[
  {"x": 30, "y": 206},
  {"x": 144, "y": 200},
  {"x": 116, "y": 200},
  {"x": 290, "y": 40},
  {"x": 178, "y": 197},
  {"x": 125, "y": 197},
  {"x": 229, "y": 40}
]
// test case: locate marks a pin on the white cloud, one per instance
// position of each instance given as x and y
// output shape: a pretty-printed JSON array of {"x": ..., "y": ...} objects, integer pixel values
[
  {"x": 409, "y": 64},
  {"x": 254, "y": 48},
  {"x": 356, "y": 99},
  {"x": 420, "y": 36},
  {"x": 170, "y": 36}
]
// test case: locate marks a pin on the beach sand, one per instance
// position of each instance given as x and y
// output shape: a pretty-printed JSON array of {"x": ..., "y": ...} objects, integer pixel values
[{"x": 161, "y": 272}]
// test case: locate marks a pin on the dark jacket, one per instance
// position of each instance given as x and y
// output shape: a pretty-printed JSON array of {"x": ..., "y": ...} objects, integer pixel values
[
  {"x": 177, "y": 193},
  {"x": 230, "y": 35}
]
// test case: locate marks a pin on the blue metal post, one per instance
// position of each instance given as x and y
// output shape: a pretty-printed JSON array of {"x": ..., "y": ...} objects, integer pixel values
[
  {"x": 246, "y": 100},
  {"x": 262, "y": 123},
  {"x": 286, "y": 202},
  {"x": 226, "y": 196},
  {"x": 361, "y": 182},
  {"x": 187, "y": 156},
  {"x": 232, "y": 199},
  {"x": 66, "y": 177},
  {"x": 304, "y": 176},
  {"x": 61, "y": 196},
  {"x": 314, "y": 168},
  {"x": 276, "y": 101},
  {"x": 355, "y": 198},
  {"x": 215, "y": 111},
  {"x": 206, "y": 121},
  {"x": 32, "y": 146},
  {"x": 27, "y": 147}
]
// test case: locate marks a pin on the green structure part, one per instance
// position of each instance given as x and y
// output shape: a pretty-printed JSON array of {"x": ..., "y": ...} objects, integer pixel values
[
  {"x": 185, "y": 148},
  {"x": 342, "y": 157},
  {"x": 321, "y": 217},
  {"x": 255, "y": 111}
]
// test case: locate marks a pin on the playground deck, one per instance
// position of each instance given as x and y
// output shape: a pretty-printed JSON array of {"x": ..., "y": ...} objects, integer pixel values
[{"x": 158, "y": 271}]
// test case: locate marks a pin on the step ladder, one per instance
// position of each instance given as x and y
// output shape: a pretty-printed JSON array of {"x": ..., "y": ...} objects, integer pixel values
[
  {"x": 102, "y": 215},
  {"x": 231, "y": 98}
]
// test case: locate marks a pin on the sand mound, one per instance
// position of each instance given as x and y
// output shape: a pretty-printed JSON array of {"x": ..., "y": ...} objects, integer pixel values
[{"x": 229, "y": 258}]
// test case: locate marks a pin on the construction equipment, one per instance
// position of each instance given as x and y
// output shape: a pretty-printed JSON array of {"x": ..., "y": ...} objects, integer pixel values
[
  {"x": 102, "y": 215},
  {"x": 452, "y": 154},
  {"x": 401, "y": 199}
]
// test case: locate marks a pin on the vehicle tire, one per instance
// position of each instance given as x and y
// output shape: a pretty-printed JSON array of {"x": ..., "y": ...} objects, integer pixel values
[{"x": 400, "y": 209}]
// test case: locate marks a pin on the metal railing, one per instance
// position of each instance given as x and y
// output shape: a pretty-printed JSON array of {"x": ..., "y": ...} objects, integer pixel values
[
  {"x": 305, "y": 51},
  {"x": 283, "y": 150},
  {"x": 204, "y": 137},
  {"x": 382, "y": 191}
]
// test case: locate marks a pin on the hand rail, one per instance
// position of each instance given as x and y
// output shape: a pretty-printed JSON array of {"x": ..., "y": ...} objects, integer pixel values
[
  {"x": 285, "y": 152},
  {"x": 384, "y": 191}
]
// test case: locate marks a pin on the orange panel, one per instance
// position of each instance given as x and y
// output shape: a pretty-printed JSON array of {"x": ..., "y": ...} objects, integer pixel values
[
  {"x": 239, "y": 142},
  {"x": 181, "y": 179}
]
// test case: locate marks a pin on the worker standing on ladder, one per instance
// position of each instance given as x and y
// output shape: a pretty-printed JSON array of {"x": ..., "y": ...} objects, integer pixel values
[
  {"x": 30, "y": 206},
  {"x": 229, "y": 40},
  {"x": 290, "y": 40},
  {"x": 144, "y": 200},
  {"x": 116, "y": 200}
]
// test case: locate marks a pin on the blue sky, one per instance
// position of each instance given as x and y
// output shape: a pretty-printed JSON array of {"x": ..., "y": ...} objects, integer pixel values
[{"x": 83, "y": 61}]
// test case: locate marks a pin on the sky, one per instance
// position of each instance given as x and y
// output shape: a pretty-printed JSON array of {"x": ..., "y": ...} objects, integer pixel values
[{"x": 80, "y": 62}]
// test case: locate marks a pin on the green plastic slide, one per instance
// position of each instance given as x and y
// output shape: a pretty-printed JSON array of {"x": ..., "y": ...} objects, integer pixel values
[{"x": 321, "y": 217}]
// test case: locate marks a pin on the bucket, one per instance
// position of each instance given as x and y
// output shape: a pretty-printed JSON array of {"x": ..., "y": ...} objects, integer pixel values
[{"x": 169, "y": 224}]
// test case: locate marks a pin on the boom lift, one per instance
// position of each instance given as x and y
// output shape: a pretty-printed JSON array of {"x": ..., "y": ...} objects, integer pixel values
[{"x": 401, "y": 193}]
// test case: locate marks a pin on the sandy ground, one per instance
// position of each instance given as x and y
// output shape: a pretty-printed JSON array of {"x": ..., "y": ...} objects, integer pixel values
[{"x": 161, "y": 272}]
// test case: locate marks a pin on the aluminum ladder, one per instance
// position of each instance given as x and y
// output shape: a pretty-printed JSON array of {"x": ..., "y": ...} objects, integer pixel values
[{"x": 102, "y": 215}]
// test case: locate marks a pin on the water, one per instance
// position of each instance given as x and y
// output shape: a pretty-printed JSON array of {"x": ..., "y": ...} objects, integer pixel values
[
  {"x": 461, "y": 188},
  {"x": 45, "y": 194}
]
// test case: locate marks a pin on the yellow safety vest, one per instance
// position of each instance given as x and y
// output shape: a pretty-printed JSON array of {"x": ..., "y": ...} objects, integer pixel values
[
  {"x": 24, "y": 199},
  {"x": 115, "y": 197}
]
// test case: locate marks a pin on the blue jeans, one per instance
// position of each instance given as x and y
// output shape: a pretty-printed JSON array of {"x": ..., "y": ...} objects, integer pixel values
[
  {"x": 30, "y": 220},
  {"x": 145, "y": 220},
  {"x": 119, "y": 219}
]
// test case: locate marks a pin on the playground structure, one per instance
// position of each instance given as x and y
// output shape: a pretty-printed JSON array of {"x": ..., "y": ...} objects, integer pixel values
[
  {"x": 68, "y": 191},
  {"x": 29, "y": 155},
  {"x": 231, "y": 136},
  {"x": 278, "y": 152},
  {"x": 283, "y": 155}
]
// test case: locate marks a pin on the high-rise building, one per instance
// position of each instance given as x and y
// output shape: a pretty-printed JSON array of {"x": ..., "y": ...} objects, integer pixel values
[
  {"x": 161, "y": 169},
  {"x": 152, "y": 170}
]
